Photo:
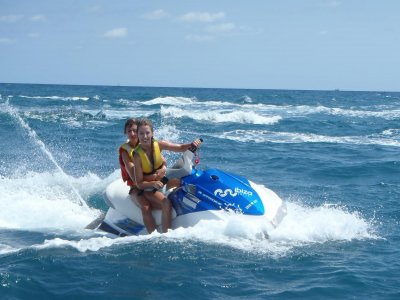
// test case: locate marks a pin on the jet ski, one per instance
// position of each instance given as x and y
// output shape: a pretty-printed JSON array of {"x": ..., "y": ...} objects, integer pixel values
[{"x": 209, "y": 194}]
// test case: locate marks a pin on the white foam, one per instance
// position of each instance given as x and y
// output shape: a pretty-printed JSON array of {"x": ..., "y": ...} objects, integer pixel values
[
  {"x": 43, "y": 201},
  {"x": 35, "y": 138},
  {"x": 176, "y": 101},
  {"x": 385, "y": 114},
  {"x": 319, "y": 224},
  {"x": 302, "y": 226},
  {"x": 262, "y": 136},
  {"x": 392, "y": 132},
  {"x": 6, "y": 249},
  {"x": 378, "y": 111},
  {"x": 247, "y": 99},
  {"x": 219, "y": 116},
  {"x": 83, "y": 245},
  {"x": 71, "y": 98},
  {"x": 304, "y": 110}
]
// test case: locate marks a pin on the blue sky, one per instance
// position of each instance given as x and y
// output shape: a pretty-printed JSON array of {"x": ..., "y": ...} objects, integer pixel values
[{"x": 287, "y": 44}]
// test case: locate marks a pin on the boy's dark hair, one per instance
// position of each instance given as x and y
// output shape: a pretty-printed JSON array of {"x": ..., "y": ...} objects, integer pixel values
[{"x": 129, "y": 123}]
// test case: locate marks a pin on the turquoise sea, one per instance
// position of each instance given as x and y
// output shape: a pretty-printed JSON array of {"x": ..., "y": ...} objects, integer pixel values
[{"x": 333, "y": 156}]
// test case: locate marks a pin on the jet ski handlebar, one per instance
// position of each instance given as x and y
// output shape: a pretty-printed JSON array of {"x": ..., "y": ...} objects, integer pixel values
[{"x": 193, "y": 147}]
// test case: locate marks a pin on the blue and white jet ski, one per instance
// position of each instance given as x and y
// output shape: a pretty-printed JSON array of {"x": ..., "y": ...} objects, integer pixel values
[{"x": 209, "y": 194}]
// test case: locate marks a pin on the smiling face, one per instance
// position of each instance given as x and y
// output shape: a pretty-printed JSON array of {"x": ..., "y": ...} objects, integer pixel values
[{"x": 145, "y": 133}]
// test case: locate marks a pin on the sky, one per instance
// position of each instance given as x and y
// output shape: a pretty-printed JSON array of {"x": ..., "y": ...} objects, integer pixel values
[{"x": 255, "y": 44}]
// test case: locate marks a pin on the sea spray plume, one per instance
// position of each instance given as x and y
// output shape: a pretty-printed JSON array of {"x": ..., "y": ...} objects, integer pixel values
[{"x": 35, "y": 138}]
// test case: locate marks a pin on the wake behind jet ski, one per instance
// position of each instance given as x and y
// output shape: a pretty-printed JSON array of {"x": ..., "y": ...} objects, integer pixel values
[{"x": 209, "y": 194}]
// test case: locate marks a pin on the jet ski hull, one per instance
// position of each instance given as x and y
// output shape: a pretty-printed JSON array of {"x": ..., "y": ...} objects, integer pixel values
[{"x": 209, "y": 194}]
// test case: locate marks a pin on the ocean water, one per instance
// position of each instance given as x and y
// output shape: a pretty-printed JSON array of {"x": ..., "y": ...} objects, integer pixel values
[{"x": 333, "y": 156}]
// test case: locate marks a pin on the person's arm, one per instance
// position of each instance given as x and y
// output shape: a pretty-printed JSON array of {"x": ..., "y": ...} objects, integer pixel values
[
  {"x": 160, "y": 173},
  {"x": 147, "y": 181},
  {"x": 165, "y": 145},
  {"x": 128, "y": 165}
]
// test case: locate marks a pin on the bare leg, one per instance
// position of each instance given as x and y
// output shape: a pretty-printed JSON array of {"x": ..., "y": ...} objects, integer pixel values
[
  {"x": 146, "y": 209},
  {"x": 166, "y": 218},
  {"x": 160, "y": 201}
]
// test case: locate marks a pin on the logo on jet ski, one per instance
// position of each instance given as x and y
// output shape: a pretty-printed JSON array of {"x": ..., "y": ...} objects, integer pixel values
[
  {"x": 225, "y": 193},
  {"x": 237, "y": 191}
]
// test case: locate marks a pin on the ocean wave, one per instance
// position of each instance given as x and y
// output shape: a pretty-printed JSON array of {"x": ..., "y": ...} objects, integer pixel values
[
  {"x": 175, "y": 101},
  {"x": 262, "y": 136},
  {"x": 7, "y": 249},
  {"x": 63, "y": 98},
  {"x": 71, "y": 117},
  {"x": 304, "y": 110},
  {"x": 225, "y": 111},
  {"x": 394, "y": 132},
  {"x": 387, "y": 112},
  {"x": 219, "y": 116},
  {"x": 247, "y": 99}
]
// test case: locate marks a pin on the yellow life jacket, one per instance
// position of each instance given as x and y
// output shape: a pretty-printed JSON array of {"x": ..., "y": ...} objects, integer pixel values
[{"x": 148, "y": 166}]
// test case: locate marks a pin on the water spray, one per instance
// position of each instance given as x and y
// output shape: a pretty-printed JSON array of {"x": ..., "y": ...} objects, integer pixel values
[{"x": 33, "y": 135}]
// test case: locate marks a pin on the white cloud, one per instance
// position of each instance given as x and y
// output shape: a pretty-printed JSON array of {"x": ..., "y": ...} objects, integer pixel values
[
  {"x": 38, "y": 18},
  {"x": 6, "y": 41},
  {"x": 10, "y": 18},
  {"x": 221, "y": 28},
  {"x": 156, "y": 15},
  {"x": 116, "y": 33},
  {"x": 202, "y": 17},
  {"x": 199, "y": 38}
]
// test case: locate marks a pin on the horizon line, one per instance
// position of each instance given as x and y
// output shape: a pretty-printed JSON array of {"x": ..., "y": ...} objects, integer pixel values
[{"x": 194, "y": 87}]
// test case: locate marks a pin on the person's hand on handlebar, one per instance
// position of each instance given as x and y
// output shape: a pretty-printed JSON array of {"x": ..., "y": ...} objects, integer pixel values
[{"x": 195, "y": 145}]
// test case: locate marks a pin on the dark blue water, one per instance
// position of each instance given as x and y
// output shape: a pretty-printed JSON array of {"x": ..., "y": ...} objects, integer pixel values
[{"x": 333, "y": 156}]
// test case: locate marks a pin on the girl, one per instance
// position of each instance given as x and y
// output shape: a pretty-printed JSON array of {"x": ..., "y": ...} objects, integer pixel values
[
  {"x": 149, "y": 167},
  {"x": 126, "y": 154}
]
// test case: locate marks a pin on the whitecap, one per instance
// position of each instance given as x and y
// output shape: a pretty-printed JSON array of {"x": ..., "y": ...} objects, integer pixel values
[
  {"x": 175, "y": 101},
  {"x": 63, "y": 98},
  {"x": 264, "y": 136},
  {"x": 219, "y": 116}
]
